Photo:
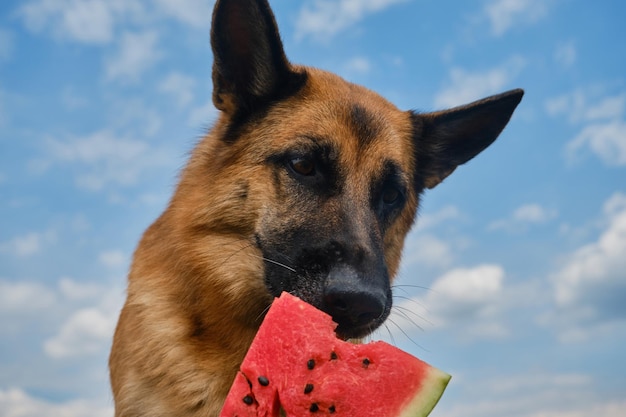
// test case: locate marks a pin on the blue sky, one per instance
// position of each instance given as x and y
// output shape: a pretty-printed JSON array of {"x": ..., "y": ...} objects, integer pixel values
[{"x": 514, "y": 279}]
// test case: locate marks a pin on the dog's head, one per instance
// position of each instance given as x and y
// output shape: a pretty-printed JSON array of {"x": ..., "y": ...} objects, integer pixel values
[{"x": 318, "y": 179}]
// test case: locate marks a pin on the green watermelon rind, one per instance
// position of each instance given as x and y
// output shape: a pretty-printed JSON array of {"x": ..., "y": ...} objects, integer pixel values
[{"x": 427, "y": 398}]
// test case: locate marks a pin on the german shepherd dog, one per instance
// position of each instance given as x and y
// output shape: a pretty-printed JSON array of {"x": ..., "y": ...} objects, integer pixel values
[{"x": 307, "y": 184}]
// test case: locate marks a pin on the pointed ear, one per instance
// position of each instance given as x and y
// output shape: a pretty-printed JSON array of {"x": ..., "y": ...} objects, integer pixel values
[
  {"x": 250, "y": 67},
  {"x": 447, "y": 139}
]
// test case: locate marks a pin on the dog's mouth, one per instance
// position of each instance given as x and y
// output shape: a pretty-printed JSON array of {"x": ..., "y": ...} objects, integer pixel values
[
  {"x": 348, "y": 331},
  {"x": 357, "y": 295},
  {"x": 357, "y": 315}
]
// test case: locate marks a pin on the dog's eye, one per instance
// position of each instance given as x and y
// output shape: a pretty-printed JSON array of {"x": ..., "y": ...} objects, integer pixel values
[
  {"x": 303, "y": 166},
  {"x": 391, "y": 195}
]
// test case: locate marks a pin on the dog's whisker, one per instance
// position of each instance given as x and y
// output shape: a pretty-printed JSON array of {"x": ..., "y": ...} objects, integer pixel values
[
  {"x": 262, "y": 313},
  {"x": 266, "y": 259},
  {"x": 404, "y": 287},
  {"x": 239, "y": 250},
  {"x": 409, "y": 315},
  {"x": 392, "y": 339},
  {"x": 400, "y": 288},
  {"x": 390, "y": 320},
  {"x": 278, "y": 263},
  {"x": 412, "y": 301}
]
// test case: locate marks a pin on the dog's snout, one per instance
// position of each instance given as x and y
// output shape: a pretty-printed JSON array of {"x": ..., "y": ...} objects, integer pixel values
[{"x": 355, "y": 304}]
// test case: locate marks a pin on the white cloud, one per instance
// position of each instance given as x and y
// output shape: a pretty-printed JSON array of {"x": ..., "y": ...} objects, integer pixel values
[
  {"x": 601, "y": 120},
  {"x": 89, "y": 22},
  {"x": 599, "y": 409},
  {"x": 84, "y": 21},
  {"x": 465, "y": 86},
  {"x": 28, "y": 244},
  {"x": 466, "y": 293},
  {"x": 505, "y": 14},
  {"x": 536, "y": 394},
  {"x": 608, "y": 108},
  {"x": 97, "y": 22},
  {"x": 598, "y": 264},
  {"x": 533, "y": 213},
  {"x": 196, "y": 13},
  {"x": 607, "y": 140},
  {"x": 524, "y": 216},
  {"x": 137, "y": 52},
  {"x": 584, "y": 105},
  {"x": 445, "y": 214},
  {"x": 86, "y": 332},
  {"x": 81, "y": 317},
  {"x": 358, "y": 65},
  {"x": 14, "y": 402},
  {"x": 74, "y": 290},
  {"x": 589, "y": 288},
  {"x": 323, "y": 19},
  {"x": 24, "y": 297},
  {"x": 25, "y": 245},
  {"x": 133, "y": 116},
  {"x": 104, "y": 159},
  {"x": 471, "y": 301},
  {"x": 427, "y": 250},
  {"x": 113, "y": 258},
  {"x": 88, "y": 328},
  {"x": 179, "y": 86}
]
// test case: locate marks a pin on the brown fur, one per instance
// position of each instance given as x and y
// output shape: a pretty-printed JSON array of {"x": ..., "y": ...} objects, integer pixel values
[{"x": 201, "y": 277}]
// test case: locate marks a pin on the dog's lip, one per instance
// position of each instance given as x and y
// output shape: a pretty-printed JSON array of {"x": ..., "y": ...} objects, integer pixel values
[
  {"x": 344, "y": 330},
  {"x": 355, "y": 332}
]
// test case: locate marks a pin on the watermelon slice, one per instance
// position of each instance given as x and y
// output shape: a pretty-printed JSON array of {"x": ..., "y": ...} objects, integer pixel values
[{"x": 297, "y": 363}]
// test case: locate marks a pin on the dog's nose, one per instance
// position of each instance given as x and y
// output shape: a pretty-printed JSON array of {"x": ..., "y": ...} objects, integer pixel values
[
  {"x": 355, "y": 304},
  {"x": 353, "y": 307}
]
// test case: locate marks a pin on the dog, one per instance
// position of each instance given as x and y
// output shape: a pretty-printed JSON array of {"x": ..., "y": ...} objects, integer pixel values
[{"x": 307, "y": 184}]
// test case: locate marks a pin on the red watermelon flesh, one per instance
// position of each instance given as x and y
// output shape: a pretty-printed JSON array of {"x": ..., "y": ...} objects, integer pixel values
[{"x": 297, "y": 363}]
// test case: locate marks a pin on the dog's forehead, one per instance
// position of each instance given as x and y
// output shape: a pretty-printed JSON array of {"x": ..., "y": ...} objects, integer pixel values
[{"x": 358, "y": 121}]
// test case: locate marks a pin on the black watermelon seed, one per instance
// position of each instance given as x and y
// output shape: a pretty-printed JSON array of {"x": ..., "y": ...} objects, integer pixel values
[
  {"x": 314, "y": 407},
  {"x": 310, "y": 364},
  {"x": 333, "y": 356},
  {"x": 366, "y": 362},
  {"x": 248, "y": 400},
  {"x": 264, "y": 381},
  {"x": 308, "y": 388},
  {"x": 331, "y": 409}
]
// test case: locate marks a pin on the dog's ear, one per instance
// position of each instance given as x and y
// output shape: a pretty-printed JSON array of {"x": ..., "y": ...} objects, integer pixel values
[
  {"x": 449, "y": 138},
  {"x": 250, "y": 67}
]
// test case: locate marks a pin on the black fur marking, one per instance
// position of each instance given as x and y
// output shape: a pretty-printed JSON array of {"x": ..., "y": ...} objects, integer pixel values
[
  {"x": 363, "y": 125},
  {"x": 240, "y": 192},
  {"x": 391, "y": 178},
  {"x": 199, "y": 328}
]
